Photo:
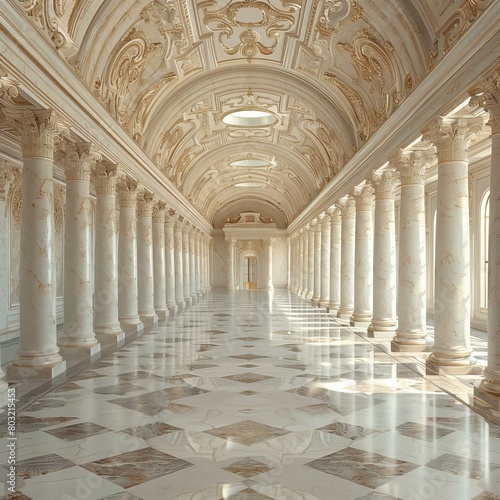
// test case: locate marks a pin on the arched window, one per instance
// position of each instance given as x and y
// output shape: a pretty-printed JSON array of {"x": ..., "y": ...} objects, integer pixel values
[{"x": 485, "y": 223}]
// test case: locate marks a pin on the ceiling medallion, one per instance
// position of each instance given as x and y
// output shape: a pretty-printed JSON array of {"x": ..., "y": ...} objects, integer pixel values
[
  {"x": 250, "y": 184},
  {"x": 250, "y": 19}
]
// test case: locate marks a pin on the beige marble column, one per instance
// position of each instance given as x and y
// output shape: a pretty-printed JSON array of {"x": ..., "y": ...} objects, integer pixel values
[
  {"x": 178, "y": 261},
  {"x": 268, "y": 252},
  {"x": 324, "y": 300},
  {"x": 231, "y": 260},
  {"x": 310, "y": 260},
  {"x": 335, "y": 241},
  {"x": 106, "y": 321},
  {"x": 203, "y": 269},
  {"x": 38, "y": 354},
  {"x": 452, "y": 349},
  {"x": 384, "y": 256},
  {"x": 170, "y": 263},
  {"x": 186, "y": 263},
  {"x": 128, "y": 308},
  {"x": 363, "y": 257},
  {"x": 347, "y": 260},
  {"x": 411, "y": 289},
  {"x": 289, "y": 263},
  {"x": 300, "y": 270},
  {"x": 317, "y": 261},
  {"x": 210, "y": 257},
  {"x": 145, "y": 274},
  {"x": 78, "y": 331},
  {"x": 160, "y": 299},
  {"x": 488, "y": 96}
]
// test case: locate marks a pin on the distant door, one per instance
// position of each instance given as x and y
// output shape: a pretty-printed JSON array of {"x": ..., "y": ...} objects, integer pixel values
[{"x": 250, "y": 273}]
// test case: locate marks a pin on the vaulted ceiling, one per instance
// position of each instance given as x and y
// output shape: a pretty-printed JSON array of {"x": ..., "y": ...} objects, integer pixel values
[{"x": 328, "y": 74}]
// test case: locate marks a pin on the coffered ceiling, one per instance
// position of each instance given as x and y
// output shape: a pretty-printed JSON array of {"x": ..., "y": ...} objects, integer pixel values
[{"x": 325, "y": 74}]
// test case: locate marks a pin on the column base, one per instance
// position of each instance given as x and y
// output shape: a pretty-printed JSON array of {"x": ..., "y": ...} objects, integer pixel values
[
  {"x": 108, "y": 330},
  {"x": 381, "y": 327},
  {"x": 315, "y": 300},
  {"x": 323, "y": 303},
  {"x": 111, "y": 338},
  {"x": 181, "y": 305},
  {"x": 485, "y": 398},
  {"x": 298, "y": 291},
  {"x": 19, "y": 373},
  {"x": 149, "y": 320},
  {"x": 131, "y": 327},
  {"x": 309, "y": 296},
  {"x": 64, "y": 342},
  {"x": 135, "y": 320},
  {"x": 333, "y": 308},
  {"x": 436, "y": 366},
  {"x": 402, "y": 347},
  {"x": 188, "y": 301},
  {"x": 345, "y": 313},
  {"x": 172, "y": 310},
  {"x": 162, "y": 314},
  {"x": 360, "y": 319},
  {"x": 72, "y": 352}
]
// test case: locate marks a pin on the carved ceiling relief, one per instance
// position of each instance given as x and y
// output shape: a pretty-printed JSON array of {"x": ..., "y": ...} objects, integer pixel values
[{"x": 249, "y": 28}]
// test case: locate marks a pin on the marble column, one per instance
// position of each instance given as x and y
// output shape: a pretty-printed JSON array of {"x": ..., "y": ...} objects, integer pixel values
[
  {"x": 268, "y": 248},
  {"x": 78, "y": 331},
  {"x": 38, "y": 354},
  {"x": 300, "y": 268},
  {"x": 203, "y": 269},
  {"x": 363, "y": 257},
  {"x": 452, "y": 349},
  {"x": 231, "y": 260},
  {"x": 335, "y": 240},
  {"x": 192, "y": 258},
  {"x": 411, "y": 288},
  {"x": 317, "y": 262},
  {"x": 128, "y": 308},
  {"x": 106, "y": 321},
  {"x": 488, "y": 96},
  {"x": 324, "y": 300},
  {"x": 160, "y": 299},
  {"x": 310, "y": 260},
  {"x": 210, "y": 258},
  {"x": 347, "y": 260},
  {"x": 198, "y": 262},
  {"x": 145, "y": 274},
  {"x": 186, "y": 263},
  {"x": 289, "y": 263},
  {"x": 178, "y": 261},
  {"x": 384, "y": 256},
  {"x": 170, "y": 263}
]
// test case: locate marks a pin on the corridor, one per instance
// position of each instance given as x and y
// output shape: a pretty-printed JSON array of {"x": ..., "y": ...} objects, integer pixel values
[{"x": 253, "y": 395}]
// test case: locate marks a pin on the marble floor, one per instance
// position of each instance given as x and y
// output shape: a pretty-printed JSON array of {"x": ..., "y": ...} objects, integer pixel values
[{"x": 254, "y": 395}]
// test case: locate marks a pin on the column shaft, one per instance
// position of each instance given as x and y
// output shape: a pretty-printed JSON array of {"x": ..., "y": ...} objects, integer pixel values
[
  {"x": 347, "y": 257},
  {"x": 231, "y": 250},
  {"x": 335, "y": 240},
  {"x": 170, "y": 264},
  {"x": 310, "y": 263},
  {"x": 317, "y": 263},
  {"x": 186, "y": 264},
  {"x": 160, "y": 300},
  {"x": 324, "y": 300},
  {"x": 179, "y": 266}
]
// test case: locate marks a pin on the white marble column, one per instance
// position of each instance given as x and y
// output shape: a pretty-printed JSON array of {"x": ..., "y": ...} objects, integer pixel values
[
  {"x": 38, "y": 354},
  {"x": 363, "y": 257},
  {"x": 335, "y": 240},
  {"x": 310, "y": 260},
  {"x": 78, "y": 329},
  {"x": 347, "y": 260},
  {"x": 452, "y": 349},
  {"x": 489, "y": 388},
  {"x": 203, "y": 269},
  {"x": 324, "y": 300},
  {"x": 160, "y": 299},
  {"x": 231, "y": 261},
  {"x": 289, "y": 263},
  {"x": 411, "y": 288},
  {"x": 210, "y": 258},
  {"x": 145, "y": 274},
  {"x": 186, "y": 263},
  {"x": 300, "y": 268},
  {"x": 268, "y": 248},
  {"x": 128, "y": 308},
  {"x": 178, "y": 261},
  {"x": 317, "y": 262},
  {"x": 192, "y": 259},
  {"x": 170, "y": 263},
  {"x": 106, "y": 321},
  {"x": 384, "y": 256},
  {"x": 198, "y": 262}
]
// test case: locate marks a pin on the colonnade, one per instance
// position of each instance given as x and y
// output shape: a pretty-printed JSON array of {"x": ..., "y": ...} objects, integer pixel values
[
  {"x": 353, "y": 274},
  {"x": 147, "y": 259}
]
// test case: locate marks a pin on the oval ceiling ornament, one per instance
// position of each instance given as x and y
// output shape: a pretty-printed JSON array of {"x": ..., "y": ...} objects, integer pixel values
[{"x": 250, "y": 118}]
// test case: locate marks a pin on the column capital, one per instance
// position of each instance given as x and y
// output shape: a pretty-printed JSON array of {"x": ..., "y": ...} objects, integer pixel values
[
  {"x": 178, "y": 222},
  {"x": 106, "y": 175},
  {"x": 363, "y": 198},
  {"x": 487, "y": 95},
  {"x": 128, "y": 191},
  {"x": 231, "y": 242},
  {"x": 411, "y": 166},
  {"x": 384, "y": 184},
  {"x": 170, "y": 218},
  {"x": 348, "y": 208},
  {"x": 186, "y": 227},
  {"x": 451, "y": 136},
  {"x": 80, "y": 159},
  {"x": 39, "y": 130},
  {"x": 268, "y": 242},
  {"x": 335, "y": 214},
  {"x": 159, "y": 211},
  {"x": 146, "y": 202}
]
